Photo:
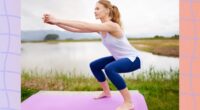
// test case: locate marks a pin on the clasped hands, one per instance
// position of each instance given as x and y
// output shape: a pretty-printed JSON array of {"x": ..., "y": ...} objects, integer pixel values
[{"x": 49, "y": 19}]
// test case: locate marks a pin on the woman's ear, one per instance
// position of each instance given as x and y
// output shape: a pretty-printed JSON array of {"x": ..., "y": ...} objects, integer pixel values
[{"x": 107, "y": 11}]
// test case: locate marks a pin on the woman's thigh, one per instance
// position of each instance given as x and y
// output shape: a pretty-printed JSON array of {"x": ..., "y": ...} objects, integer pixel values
[
  {"x": 124, "y": 65},
  {"x": 102, "y": 62}
]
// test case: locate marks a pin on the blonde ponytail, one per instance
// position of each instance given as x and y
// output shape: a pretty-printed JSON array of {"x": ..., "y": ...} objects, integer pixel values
[{"x": 115, "y": 15}]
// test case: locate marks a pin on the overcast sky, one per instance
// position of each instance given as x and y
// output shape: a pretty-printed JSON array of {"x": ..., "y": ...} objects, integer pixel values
[{"x": 140, "y": 18}]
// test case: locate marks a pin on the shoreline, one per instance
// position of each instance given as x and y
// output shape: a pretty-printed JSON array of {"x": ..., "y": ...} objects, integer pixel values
[{"x": 158, "y": 46}]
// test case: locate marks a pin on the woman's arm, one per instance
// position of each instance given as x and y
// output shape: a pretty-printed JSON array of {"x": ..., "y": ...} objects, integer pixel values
[
  {"x": 72, "y": 29},
  {"x": 91, "y": 27},
  {"x": 94, "y": 27}
]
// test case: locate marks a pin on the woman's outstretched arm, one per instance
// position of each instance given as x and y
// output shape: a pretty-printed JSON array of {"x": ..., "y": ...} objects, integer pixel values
[
  {"x": 89, "y": 27},
  {"x": 94, "y": 27},
  {"x": 72, "y": 29}
]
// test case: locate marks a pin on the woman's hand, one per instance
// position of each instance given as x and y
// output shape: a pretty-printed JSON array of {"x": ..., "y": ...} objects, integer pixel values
[{"x": 47, "y": 18}]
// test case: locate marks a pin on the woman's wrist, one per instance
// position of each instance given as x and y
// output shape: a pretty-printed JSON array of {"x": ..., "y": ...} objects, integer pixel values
[{"x": 57, "y": 21}]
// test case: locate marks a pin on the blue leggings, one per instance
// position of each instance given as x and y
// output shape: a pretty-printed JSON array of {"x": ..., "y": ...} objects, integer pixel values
[{"x": 112, "y": 67}]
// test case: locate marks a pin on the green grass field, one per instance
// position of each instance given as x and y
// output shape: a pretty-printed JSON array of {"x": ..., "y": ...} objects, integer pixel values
[{"x": 160, "y": 88}]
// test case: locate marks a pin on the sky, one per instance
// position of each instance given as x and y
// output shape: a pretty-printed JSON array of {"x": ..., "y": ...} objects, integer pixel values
[{"x": 140, "y": 18}]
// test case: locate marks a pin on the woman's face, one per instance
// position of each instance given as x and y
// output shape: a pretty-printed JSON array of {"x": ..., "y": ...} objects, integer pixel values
[{"x": 100, "y": 11}]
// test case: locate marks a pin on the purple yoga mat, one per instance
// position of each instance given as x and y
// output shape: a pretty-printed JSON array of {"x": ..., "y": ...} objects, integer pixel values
[{"x": 79, "y": 101}]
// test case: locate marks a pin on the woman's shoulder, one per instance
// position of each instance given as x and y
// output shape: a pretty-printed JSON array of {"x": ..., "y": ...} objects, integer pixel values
[
  {"x": 113, "y": 24},
  {"x": 118, "y": 31}
]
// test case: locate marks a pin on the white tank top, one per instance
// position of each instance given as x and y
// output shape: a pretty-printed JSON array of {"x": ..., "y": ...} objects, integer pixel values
[{"x": 119, "y": 47}]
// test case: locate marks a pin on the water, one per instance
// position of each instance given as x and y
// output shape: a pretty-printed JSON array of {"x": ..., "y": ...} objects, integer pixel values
[{"x": 74, "y": 57}]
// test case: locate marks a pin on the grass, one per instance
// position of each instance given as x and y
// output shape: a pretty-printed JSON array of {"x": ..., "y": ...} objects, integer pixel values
[
  {"x": 167, "y": 47},
  {"x": 160, "y": 88}
]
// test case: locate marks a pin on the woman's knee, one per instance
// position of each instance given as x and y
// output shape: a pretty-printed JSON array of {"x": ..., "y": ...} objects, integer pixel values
[
  {"x": 109, "y": 69},
  {"x": 94, "y": 65},
  {"x": 115, "y": 78}
]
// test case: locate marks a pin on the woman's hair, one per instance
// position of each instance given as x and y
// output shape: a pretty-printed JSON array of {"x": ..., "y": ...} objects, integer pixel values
[{"x": 114, "y": 12}]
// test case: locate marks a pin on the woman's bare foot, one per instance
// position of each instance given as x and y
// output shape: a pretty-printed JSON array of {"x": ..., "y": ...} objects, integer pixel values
[
  {"x": 126, "y": 106},
  {"x": 103, "y": 95}
]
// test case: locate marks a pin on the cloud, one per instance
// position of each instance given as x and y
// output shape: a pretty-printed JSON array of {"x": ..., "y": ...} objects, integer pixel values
[{"x": 139, "y": 17}]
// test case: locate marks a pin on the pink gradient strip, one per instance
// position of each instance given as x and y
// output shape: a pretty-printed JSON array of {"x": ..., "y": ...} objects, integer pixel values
[{"x": 189, "y": 55}]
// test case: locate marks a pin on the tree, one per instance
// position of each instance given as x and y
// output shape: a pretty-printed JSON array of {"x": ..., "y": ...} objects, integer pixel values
[
  {"x": 157, "y": 36},
  {"x": 175, "y": 36},
  {"x": 51, "y": 37}
]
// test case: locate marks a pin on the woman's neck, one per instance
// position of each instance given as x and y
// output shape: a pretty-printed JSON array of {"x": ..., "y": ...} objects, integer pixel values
[{"x": 105, "y": 19}]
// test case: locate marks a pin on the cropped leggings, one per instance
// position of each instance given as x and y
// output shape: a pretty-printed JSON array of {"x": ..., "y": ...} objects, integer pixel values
[{"x": 112, "y": 69}]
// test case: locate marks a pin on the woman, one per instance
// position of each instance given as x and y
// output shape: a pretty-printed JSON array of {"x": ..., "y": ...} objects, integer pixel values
[{"x": 124, "y": 57}]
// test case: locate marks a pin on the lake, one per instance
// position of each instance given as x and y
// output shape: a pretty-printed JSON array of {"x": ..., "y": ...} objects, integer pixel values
[{"x": 74, "y": 57}]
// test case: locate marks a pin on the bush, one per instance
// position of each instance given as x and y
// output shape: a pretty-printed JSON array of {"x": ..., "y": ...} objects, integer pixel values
[
  {"x": 175, "y": 36},
  {"x": 157, "y": 36},
  {"x": 51, "y": 37}
]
